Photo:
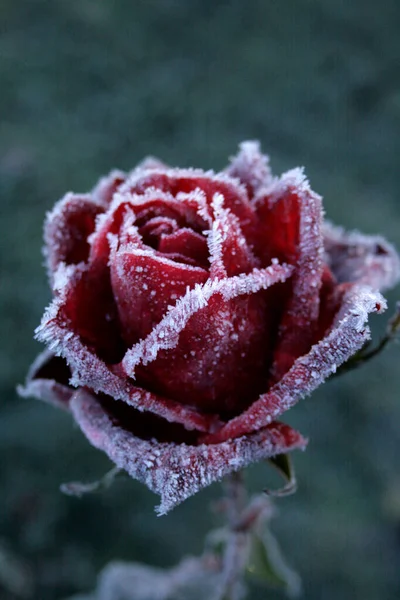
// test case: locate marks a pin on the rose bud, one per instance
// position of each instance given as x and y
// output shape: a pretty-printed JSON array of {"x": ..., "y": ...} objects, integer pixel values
[{"x": 191, "y": 310}]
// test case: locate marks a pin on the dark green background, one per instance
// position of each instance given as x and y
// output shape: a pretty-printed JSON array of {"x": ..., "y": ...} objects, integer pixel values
[{"x": 87, "y": 85}]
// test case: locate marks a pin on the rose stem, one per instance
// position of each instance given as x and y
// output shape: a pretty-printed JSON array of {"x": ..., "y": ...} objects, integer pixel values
[{"x": 235, "y": 552}]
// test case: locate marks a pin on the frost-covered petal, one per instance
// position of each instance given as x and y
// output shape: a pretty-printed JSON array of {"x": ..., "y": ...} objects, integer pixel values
[
  {"x": 67, "y": 229},
  {"x": 106, "y": 187},
  {"x": 230, "y": 254},
  {"x": 251, "y": 167},
  {"x": 185, "y": 245},
  {"x": 223, "y": 322},
  {"x": 348, "y": 334},
  {"x": 187, "y": 181},
  {"x": 176, "y": 471},
  {"x": 291, "y": 219},
  {"x": 144, "y": 285},
  {"x": 90, "y": 370},
  {"x": 368, "y": 259},
  {"x": 48, "y": 380}
]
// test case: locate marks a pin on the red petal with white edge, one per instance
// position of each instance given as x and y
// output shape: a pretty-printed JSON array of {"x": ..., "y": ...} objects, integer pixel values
[
  {"x": 48, "y": 380},
  {"x": 348, "y": 334},
  {"x": 178, "y": 181},
  {"x": 251, "y": 167},
  {"x": 67, "y": 229},
  {"x": 56, "y": 330},
  {"x": 144, "y": 285},
  {"x": 177, "y": 471},
  {"x": 218, "y": 324},
  {"x": 229, "y": 251},
  {"x": 368, "y": 259},
  {"x": 292, "y": 215},
  {"x": 105, "y": 189}
]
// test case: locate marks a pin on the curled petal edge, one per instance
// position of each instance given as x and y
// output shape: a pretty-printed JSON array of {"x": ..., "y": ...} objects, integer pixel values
[
  {"x": 89, "y": 370},
  {"x": 177, "y": 471},
  {"x": 367, "y": 259},
  {"x": 51, "y": 391},
  {"x": 348, "y": 334}
]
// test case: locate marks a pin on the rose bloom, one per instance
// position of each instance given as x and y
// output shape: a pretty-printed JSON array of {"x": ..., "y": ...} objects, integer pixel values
[{"x": 192, "y": 309}]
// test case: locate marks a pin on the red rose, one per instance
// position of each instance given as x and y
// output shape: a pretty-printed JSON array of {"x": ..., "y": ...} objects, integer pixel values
[{"x": 191, "y": 309}]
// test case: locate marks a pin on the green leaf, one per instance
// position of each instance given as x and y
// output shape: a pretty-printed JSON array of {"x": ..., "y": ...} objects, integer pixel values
[
  {"x": 267, "y": 565},
  {"x": 283, "y": 463}
]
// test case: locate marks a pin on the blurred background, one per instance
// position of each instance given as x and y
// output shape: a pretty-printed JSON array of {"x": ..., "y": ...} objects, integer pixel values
[{"x": 93, "y": 84}]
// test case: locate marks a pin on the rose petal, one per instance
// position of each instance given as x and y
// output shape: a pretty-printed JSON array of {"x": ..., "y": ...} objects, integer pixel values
[
  {"x": 220, "y": 323},
  {"x": 349, "y": 333},
  {"x": 89, "y": 370},
  {"x": 368, "y": 259},
  {"x": 177, "y": 471},
  {"x": 178, "y": 181},
  {"x": 106, "y": 187},
  {"x": 251, "y": 167},
  {"x": 48, "y": 380},
  {"x": 67, "y": 229},
  {"x": 230, "y": 253},
  {"x": 187, "y": 243},
  {"x": 292, "y": 217},
  {"x": 166, "y": 333},
  {"x": 144, "y": 285}
]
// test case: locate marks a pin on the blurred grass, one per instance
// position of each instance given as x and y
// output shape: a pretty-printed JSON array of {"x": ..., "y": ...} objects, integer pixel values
[{"x": 89, "y": 85}]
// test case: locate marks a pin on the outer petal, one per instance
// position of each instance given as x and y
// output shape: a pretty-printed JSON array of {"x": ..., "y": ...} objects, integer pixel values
[
  {"x": 177, "y": 471},
  {"x": 106, "y": 187},
  {"x": 291, "y": 220},
  {"x": 348, "y": 334},
  {"x": 67, "y": 229},
  {"x": 368, "y": 259},
  {"x": 88, "y": 369},
  {"x": 48, "y": 380},
  {"x": 251, "y": 167}
]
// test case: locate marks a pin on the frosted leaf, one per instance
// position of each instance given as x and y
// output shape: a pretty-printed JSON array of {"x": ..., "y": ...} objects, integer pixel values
[
  {"x": 165, "y": 334},
  {"x": 348, "y": 334},
  {"x": 368, "y": 259},
  {"x": 177, "y": 471},
  {"x": 38, "y": 385},
  {"x": 89, "y": 370},
  {"x": 251, "y": 167}
]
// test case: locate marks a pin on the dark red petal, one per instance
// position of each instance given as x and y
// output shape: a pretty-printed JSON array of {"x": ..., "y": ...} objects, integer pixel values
[
  {"x": 67, "y": 229},
  {"x": 186, "y": 243},
  {"x": 48, "y": 380},
  {"x": 354, "y": 257},
  {"x": 105, "y": 189},
  {"x": 348, "y": 334},
  {"x": 178, "y": 181},
  {"x": 177, "y": 471},
  {"x": 251, "y": 167},
  {"x": 291, "y": 219},
  {"x": 216, "y": 336},
  {"x": 88, "y": 369},
  {"x": 144, "y": 285},
  {"x": 230, "y": 253}
]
